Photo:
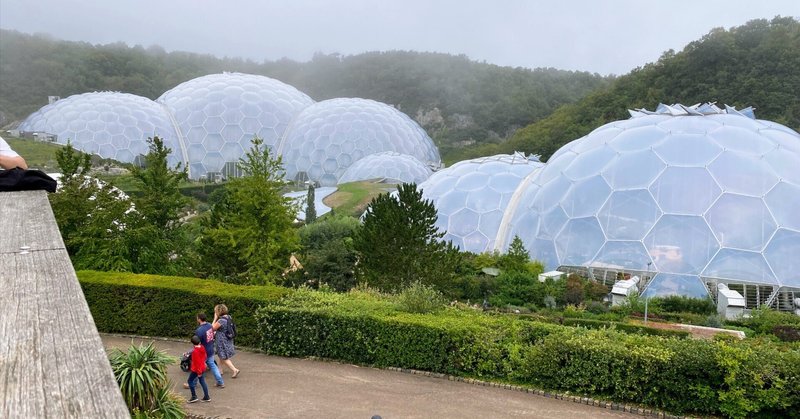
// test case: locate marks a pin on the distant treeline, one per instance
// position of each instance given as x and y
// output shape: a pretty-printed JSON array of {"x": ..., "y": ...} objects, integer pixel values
[
  {"x": 459, "y": 101},
  {"x": 757, "y": 64}
]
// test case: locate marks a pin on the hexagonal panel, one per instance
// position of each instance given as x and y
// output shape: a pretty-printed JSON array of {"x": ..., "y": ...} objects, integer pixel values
[
  {"x": 740, "y": 265},
  {"x": 741, "y": 222},
  {"x": 783, "y": 202},
  {"x": 579, "y": 241},
  {"x": 685, "y": 190},
  {"x": 673, "y": 150},
  {"x": 590, "y": 163},
  {"x": 664, "y": 285},
  {"x": 743, "y": 173},
  {"x": 634, "y": 170},
  {"x": 637, "y": 139},
  {"x": 586, "y": 197},
  {"x": 781, "y": 254},
  {"x": 785, "y": 163},
  {"x": 628, "y": 215},
  {"x": 681, "y": 244},
  {"x": 463, "y": 222},
  {"x": 622, "y": 255},
  {"x": 742, "y": 139}
]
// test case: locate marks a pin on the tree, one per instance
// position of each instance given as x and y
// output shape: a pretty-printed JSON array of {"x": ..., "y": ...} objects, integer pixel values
[
  {"x": 158, "y": 234},
  {"x": 91, "y": 215},
  {"x": 328, "y": 256},
  {"x": 399, "y": 243},
  {"x": 517, "y": 257},
  {"x": 311, "y": 209},
  {"x": 249, "y": 233}
]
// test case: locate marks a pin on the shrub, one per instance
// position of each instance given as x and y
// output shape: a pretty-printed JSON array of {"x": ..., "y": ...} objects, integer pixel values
[
  {"x": 420, "y": 298},
  {"x": 682, "y": 304},
  {"x": 623, "y": 327},
  {"x": 152, "y": 305},
  {"x": 141, "y": 374}
]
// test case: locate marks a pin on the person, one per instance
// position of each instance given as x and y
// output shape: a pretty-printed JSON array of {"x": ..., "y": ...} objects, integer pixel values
[
  {"x": 206, "y": 334},
  {"x": 222, "y": 344},
  {"x": 197, "y": 368},
  {"x": 9, "y": 159}
]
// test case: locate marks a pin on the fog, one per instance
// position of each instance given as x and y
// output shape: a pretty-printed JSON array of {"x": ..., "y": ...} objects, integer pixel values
[{"x": 610, "y": 37}]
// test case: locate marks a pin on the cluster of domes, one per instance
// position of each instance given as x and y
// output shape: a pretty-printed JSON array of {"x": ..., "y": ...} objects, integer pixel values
[
  {"x": 683, "y": 194},
  {"x": 209, "y": 122}
]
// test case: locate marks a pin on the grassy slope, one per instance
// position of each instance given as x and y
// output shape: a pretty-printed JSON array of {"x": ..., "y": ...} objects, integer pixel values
[
  {"x": 352, "y": 198},
  {"x": 38, "y": 155}
]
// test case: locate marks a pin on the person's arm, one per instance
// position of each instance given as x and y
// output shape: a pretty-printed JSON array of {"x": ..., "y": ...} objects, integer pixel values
[
  {"x": 215, "y": 324},
  {"x": 11, "y": 162}
]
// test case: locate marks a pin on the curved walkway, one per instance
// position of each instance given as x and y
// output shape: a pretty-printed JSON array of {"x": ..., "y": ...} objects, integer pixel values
[{"x": 276, "y": 387}]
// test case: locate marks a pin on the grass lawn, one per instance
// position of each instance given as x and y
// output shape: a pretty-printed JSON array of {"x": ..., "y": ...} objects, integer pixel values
[
  {"x": 39, "y": 155},
  {"x": 352, "y": 198}
]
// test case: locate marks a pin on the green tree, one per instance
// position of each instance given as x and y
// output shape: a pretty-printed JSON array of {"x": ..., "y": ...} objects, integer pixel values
[
  {"x": 399, "y": 243},
  {"x": 328, "y": 255},
  {"x": 311, "y": 209},
  {"x": 158, "y": 235},
  {"x": 91, "y": 215},
  {"x": 517, "y": 257},
  {"x": 249, "y": 234}
]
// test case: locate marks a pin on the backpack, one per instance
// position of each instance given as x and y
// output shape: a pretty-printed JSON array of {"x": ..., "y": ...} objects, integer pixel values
[
  {"x": 186, "y": 361},
  {"x": 230, "y": 329}
]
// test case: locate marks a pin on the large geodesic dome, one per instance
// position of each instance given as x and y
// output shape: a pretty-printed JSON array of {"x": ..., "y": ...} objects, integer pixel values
[
  {"x": 389, "y": 167},
  {"x": 111, "y": 124},
  {"x": 329, "y": 136},
  {"x": 471, "y": 197},
  {"x": 687, "y": 195},
  {"x": 218, "y": 115}
]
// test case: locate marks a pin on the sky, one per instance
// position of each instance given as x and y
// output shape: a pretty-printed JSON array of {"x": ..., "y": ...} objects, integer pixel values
[{"x": 606, "y": 37}]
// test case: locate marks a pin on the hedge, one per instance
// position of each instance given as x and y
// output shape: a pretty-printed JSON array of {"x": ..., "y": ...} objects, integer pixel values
[
  {"x": 628, "y": 328},
  {"x": 754, "y": 377},
  {"x": 151, "y": 305},
  {"x": 735, "y": 379}
]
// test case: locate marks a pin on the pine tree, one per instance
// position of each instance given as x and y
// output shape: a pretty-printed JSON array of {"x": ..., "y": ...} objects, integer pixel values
[
  {"x": 399, "y": 242},
  {"x": 311, "y": 209}
]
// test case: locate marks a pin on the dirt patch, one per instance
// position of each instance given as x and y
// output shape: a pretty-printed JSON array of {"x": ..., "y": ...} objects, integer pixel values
[{"x": 696, "y": 332}]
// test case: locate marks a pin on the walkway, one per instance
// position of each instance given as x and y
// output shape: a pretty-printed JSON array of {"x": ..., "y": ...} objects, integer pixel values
[{"x": 276, "y": 387}]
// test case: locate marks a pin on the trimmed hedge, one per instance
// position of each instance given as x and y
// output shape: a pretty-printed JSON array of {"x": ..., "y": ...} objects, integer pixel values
[
  {"x": 628, "y": 328},
  {"x": 151, "y": 305},
  {"x": 754, "y": 377}
]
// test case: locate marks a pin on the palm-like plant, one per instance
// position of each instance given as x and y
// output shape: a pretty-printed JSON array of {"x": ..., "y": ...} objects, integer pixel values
[{"x": 141, "y": 374}]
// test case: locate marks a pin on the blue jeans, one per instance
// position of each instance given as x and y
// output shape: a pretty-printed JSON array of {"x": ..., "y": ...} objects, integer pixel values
[
  {"x": 192, "y": 378},
  {"x": 214, "y": 369}
]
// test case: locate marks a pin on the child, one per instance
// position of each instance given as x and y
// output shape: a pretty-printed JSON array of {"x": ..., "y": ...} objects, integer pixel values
[{"x": 197, "y": 368}]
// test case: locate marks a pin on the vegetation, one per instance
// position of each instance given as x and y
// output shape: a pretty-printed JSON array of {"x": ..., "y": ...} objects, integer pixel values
[
  {"x": 458, "y": 101},
  {"x": 38, "y": 154},
  {"x": 353, "y": 198},
  {"x": 327, "y": 253},
  {"x": 750, "y": 65},
  {"x": 399, "y": 243},
  {"x": 311, "y": 209},
  {"x": 248, "y": 235},
  {"x": 142, "y": 377}
]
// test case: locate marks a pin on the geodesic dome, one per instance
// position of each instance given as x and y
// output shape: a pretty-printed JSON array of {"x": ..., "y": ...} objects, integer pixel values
[
  {"x": 389, "y": 166},
  {"x": 687, "y": 193},
  {"x": 219, "y": 114},
  {"x": 111, "y": 124},
  {"x": 329, "y": 136},
  {"x": 471, "y": 197}
]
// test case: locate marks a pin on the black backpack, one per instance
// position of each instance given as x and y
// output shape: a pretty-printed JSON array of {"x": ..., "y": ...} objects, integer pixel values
[
  {"x": 230, "y": 329},
  {"x": 186, "y": 361}
]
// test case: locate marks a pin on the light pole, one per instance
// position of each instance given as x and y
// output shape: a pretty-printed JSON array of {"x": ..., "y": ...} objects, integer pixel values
[{"x": 647, "y": 300}]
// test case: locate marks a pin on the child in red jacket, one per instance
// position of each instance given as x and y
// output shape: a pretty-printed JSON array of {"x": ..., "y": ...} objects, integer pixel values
[{"x": 197, "y": 368}]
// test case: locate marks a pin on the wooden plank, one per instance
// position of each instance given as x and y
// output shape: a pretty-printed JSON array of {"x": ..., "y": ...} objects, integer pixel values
[
  {"x": 26, "y": 220},
  {"x": 52, "y": 361}
]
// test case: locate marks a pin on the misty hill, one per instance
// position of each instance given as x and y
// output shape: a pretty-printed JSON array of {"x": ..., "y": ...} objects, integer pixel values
[
  {"x": 757, "y": 64},
  {"x": 459, "y": 101}
]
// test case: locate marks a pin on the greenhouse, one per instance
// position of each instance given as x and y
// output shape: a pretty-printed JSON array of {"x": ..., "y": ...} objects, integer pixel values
[
  {"x": 388, "y": 167},
  {"x": 112, "y": 125},
  {"x": 685, "y": 197},
  {"x": 329, "y": 136},
  {"x": 471, "y": 197},
  {"x": 218, "y": 115}
]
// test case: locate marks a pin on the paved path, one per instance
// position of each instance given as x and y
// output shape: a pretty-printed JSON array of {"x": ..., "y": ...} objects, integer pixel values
[{"x": 276, "y": 387}]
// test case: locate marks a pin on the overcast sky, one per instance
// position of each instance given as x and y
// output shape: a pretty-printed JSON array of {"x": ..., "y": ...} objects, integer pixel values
[{"x": 588, "y": 35}]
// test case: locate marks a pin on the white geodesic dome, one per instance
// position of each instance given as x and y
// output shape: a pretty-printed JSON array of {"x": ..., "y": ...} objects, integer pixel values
[
  {"x": 389, "y": 167},
  {"x": 329, "y": 136},
  {"x": 690, "y": 194},
  {"x": 112, "y": 125},
  {"x": 471, "y": 197},
  {"x": 219, "y": 114}
]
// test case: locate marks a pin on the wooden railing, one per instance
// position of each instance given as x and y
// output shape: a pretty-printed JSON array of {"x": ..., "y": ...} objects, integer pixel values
[{"x": 52, "y": 361}]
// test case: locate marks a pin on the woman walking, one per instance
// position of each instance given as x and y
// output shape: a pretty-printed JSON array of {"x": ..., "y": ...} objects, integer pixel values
[{"x": 223, "y": 344}]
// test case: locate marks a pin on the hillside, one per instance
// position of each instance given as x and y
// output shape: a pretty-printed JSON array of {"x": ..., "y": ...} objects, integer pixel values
[
  {"x": 757, "y": 64},
  {"x": 459, "y": 101}
]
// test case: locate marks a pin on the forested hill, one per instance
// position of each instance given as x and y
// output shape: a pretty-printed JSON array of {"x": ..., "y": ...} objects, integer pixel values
[
  {"x": 757, "y": 64},
  {"x": 459, "y": 101}
]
